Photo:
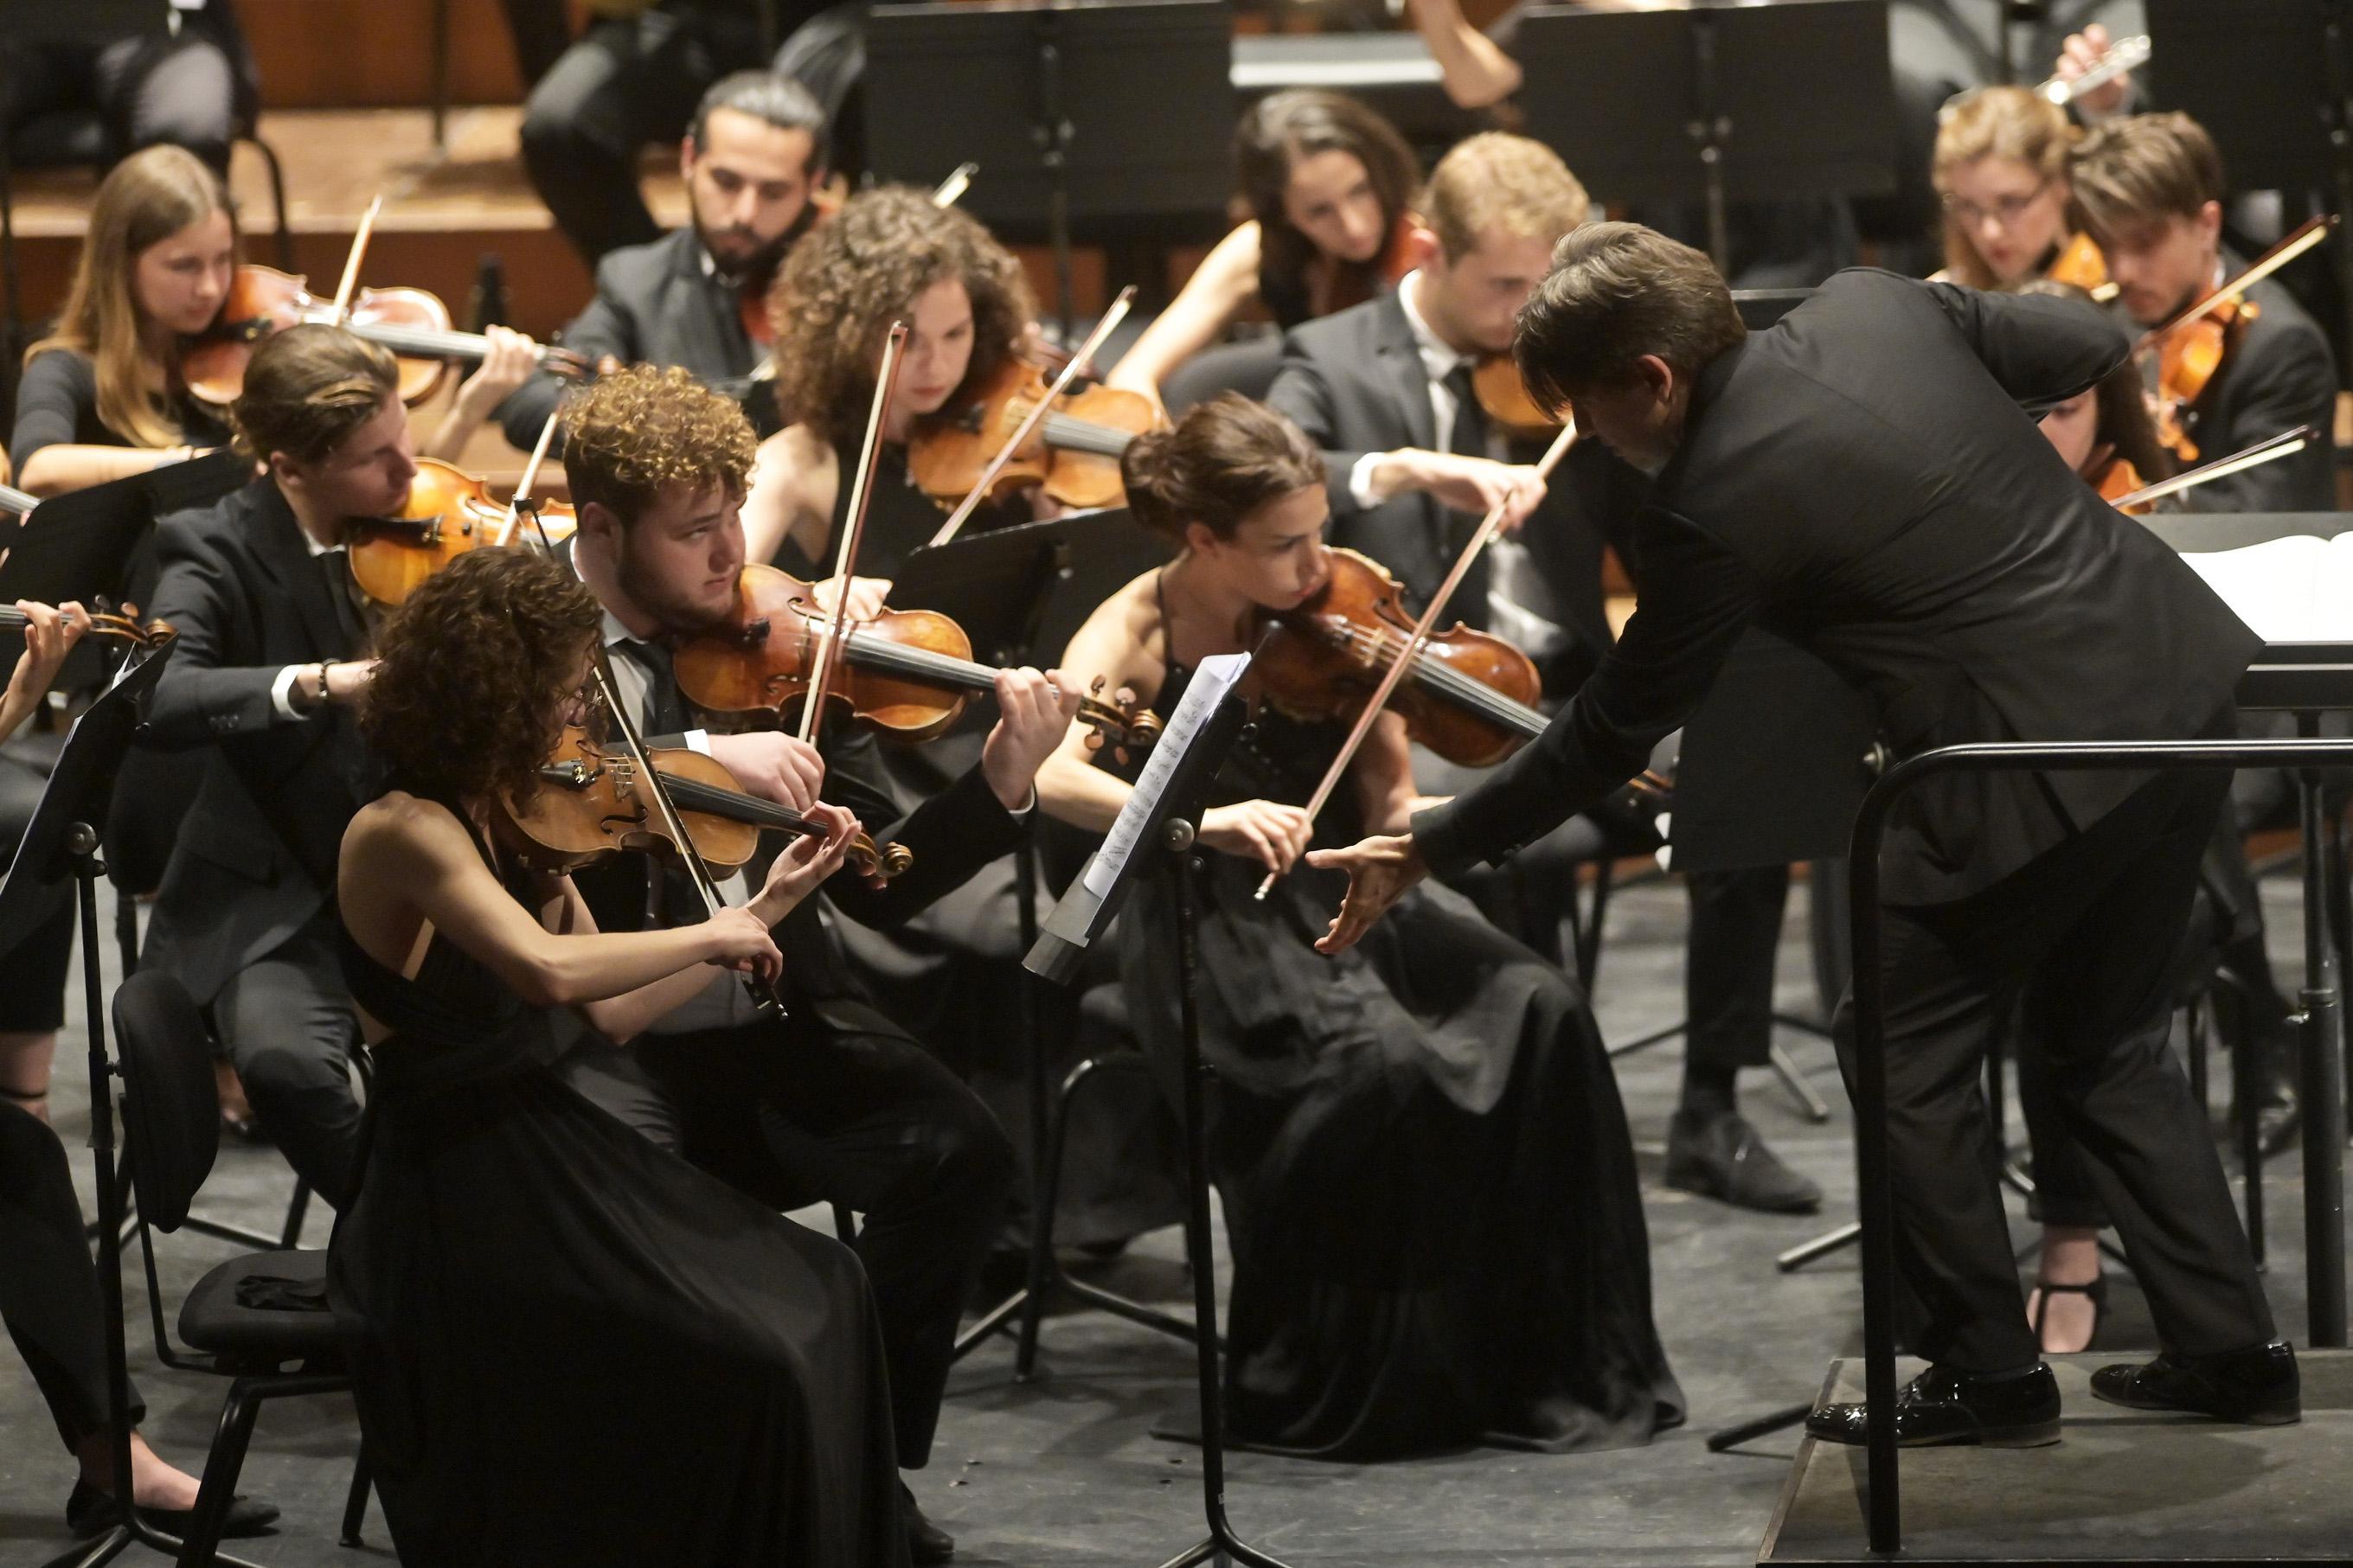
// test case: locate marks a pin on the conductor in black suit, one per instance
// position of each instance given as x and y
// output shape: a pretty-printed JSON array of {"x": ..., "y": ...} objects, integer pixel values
[
  {"x": 1866, "y": 480},
  {"x": 272, "y": 653},
  {"x": 753, "y": 154}
]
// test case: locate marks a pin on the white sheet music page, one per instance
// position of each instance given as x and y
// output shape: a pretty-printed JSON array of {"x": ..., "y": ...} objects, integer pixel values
[
  {"x": 1212, "y": 679},
  {"x": 2298, "y": 589}
]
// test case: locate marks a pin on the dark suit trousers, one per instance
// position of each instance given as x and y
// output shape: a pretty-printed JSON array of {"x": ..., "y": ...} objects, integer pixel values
[
  {"x": 626, "y": 84},
  {"x": 1736, "y": 930},
  {"x": 797, "y": 1112},
  {"x": 33, "y": 972},
  {"x": 48, "y": 1292},
  {"x": 289, "y": 1028},
  {"x": 2082, "y": 939},
  {"x": 150, "y": 88}
]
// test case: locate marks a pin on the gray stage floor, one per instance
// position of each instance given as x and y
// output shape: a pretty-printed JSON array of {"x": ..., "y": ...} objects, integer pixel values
[{"x": 1063, "y": 1472}]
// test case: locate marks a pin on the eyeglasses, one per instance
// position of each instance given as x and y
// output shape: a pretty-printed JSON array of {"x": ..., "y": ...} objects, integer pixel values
[{"x": 2006, "y": 210}]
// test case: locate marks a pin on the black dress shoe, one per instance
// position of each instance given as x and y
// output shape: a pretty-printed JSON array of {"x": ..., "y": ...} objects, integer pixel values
[
  {"x": 1718, "y": 1155},
  {"x": 1944, "y": 1406},
  {"x": 89, "y": 1510},
  {"x": 926, "y": 1541},
  {"x": 2258, "y": 1387}
]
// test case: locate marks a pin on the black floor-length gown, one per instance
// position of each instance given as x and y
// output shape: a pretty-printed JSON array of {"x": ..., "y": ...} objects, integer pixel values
[
  {"x": 572, "y": 1348},
  {"x": 1438, "y": 1237}
]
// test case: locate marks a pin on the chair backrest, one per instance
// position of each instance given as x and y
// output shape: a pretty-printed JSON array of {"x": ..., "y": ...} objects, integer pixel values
[{"x": 171, "y": 1110}]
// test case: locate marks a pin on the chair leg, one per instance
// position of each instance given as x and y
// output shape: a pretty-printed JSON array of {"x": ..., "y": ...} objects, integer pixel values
[
  {"x": 218, "y": 1489},
  {"x": 1588, "y": 937},
  {"x": 126, "y": 931},
  {"x": 1041, "y": 1220},
  {"x": 277, "y": 201},
  {"x": 355, "y": 1504},
  {"x": 297, "y": 1208}
]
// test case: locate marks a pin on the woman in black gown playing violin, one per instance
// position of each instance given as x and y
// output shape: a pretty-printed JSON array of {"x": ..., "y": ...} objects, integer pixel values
[
  {"x": 570, "y": 1346},
  {"x": 1428, "y": 1181}
]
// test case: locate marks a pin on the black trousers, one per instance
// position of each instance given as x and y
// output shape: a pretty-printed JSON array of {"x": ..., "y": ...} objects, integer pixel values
[
  {"x": 289, "y": 1026},
  {"x": 48, "y": 1289},
  {"x": 32, "y": 971},
  {"x": 150, "y": 89},
  {"x": 2081, "y": 941},
  {"x": 797, "y": 1112},
  {"x": 627, "y": 83},
  {"x": 1736, "y": 930}
]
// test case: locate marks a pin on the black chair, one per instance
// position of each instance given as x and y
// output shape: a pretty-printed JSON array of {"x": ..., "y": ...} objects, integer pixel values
[{"x": 257, "y": 1319}]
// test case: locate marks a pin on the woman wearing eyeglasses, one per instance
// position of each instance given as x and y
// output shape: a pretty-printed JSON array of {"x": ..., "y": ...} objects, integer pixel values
[{"x": 2001, "y": 169}]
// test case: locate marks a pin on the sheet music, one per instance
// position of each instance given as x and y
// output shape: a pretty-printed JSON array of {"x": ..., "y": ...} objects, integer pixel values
[
  {"x": 1213, "y": 679},
  {"x": 2298, "y": 589}
]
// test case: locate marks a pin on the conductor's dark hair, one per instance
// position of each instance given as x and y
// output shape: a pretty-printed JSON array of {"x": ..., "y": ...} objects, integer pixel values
[
  {"x": 1222, "y": 461},
  {"x": 768, "y": 96},
  {"x": 1617, "y": 293}
]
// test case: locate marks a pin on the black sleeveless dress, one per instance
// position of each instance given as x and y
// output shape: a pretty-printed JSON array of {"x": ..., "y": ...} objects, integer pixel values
[
  {"x": 571, "y": 1347},
  {"x": 1437, "y": 1237}
]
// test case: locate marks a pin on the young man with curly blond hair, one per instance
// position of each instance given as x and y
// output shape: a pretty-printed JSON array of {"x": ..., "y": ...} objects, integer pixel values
[{"x": 832, "y": 1101}]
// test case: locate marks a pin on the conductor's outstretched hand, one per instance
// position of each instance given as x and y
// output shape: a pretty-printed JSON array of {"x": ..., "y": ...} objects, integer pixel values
[{"x": 1380, "y": 871}]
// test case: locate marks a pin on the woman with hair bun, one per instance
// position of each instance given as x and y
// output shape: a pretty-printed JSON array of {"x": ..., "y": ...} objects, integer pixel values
[{"x": 1426, "y": 1177}]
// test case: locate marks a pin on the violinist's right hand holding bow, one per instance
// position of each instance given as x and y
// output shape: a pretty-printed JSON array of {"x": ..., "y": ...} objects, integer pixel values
[
  {"x": 1474, "y": 485},
  {"x": 50, "y": 636},
  {"x": 774, "y": 766},
  {"x": 2081, "y": 52},
  {"x": 1271, "y": 833}
]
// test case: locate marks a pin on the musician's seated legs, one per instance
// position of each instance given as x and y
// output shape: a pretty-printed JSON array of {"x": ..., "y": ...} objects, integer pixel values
[
  {"x": 180, "y": 91},
  {"x": 1712, "y": 1150},
  {"x": 290, "y": 1027},
  {"x": 626, "y": 84}
]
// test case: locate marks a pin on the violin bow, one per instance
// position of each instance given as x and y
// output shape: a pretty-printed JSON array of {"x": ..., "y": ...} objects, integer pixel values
[
  {"x": 2311, "y": 233},
  {"x": 2286, "y": 444},
  {"x": 1378, "y": 700},
  {"x": 853, "y": 533},
  {"x": 519, "y": 502},
  {"x": 952, "y": 189},
  {"x": 352, "y": 262},
  {"x": 1103, "y": 329},
  {"x": 625, "y": 724}
]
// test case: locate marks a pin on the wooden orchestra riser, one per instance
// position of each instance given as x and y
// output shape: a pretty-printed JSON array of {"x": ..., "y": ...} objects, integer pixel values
[{"x": 442, "y": 214}]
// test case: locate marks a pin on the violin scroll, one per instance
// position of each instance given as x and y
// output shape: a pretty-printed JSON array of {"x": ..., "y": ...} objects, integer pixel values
[{"x": 1120, "y": 722}]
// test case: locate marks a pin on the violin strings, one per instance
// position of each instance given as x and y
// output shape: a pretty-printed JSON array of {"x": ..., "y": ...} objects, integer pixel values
[{"x": 1445, "y": 678}]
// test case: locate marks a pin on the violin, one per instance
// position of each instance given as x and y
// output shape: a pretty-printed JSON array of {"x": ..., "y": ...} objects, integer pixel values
[
  {"x": 2116, "y": 479},
  {"x": 1073, "y": 456},
  {"x": 590, "y": 804},
  {"x": 908, "y": 673},
  {"x": 450, "y": 511},
  {"x": 1470, "y": 696},
  {"x": 2192, "y": 347},
  {"x": 103, "y": 623},
  {"x": 1509, "y": 405},
  {"x": 412, "y": 323},
  {"x": 2081, "y": 265}
]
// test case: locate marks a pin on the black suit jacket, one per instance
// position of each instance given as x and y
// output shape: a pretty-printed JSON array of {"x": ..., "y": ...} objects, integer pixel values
[
  {"x": 2280, "y": 375},
  {"x": 951, "y": 835},
  {"x": 256, "y": 855},
  {"x": 1354, "y": 383},
  {"x": 1867, "y": 481},
  {"x": 654, "y": 304}
]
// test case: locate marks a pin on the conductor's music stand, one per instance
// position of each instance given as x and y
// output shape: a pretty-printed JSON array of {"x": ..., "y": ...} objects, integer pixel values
[
  {"x": 2272, "y": 81},
  {"x": 1714, "y": 103},
  {"x": 1156, "y": 832},
  {"x": 1098, "y": 114}
]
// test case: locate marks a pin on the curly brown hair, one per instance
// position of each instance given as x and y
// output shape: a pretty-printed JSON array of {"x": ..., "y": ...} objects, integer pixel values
[
  {"x": 629, "y": 434},
  {"x": 473, "y": 674},
  {"x": 840, "y": 288}
]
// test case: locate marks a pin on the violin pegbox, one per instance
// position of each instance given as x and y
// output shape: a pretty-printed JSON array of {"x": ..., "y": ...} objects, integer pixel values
[{"x": 1121, "y": 723}]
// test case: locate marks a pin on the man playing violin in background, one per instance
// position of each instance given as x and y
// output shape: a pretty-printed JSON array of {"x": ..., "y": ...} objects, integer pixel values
[
  {"x": 752, "y": 160},
  {"x": 2150, "y": 189},
  {"x": 274, "y": 652},
  {"x": 831, "y": 1102}
]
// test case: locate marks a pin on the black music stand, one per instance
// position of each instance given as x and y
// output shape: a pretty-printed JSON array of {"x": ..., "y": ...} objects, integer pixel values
[
  {"x": 1021, "y": 595},
  {"x": 2271, "y": 80},
  {"x": 60, "y": 848},
  {"x": 1048, "y": 99},
  {"x": 1156, "y": 832},
  {"x": 1715, "y": 103}
]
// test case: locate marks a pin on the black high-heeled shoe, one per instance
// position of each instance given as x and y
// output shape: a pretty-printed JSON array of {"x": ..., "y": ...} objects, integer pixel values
[
  {"x": 89, "y": 1510},
  {"x": 2097, "y": 1290}
]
